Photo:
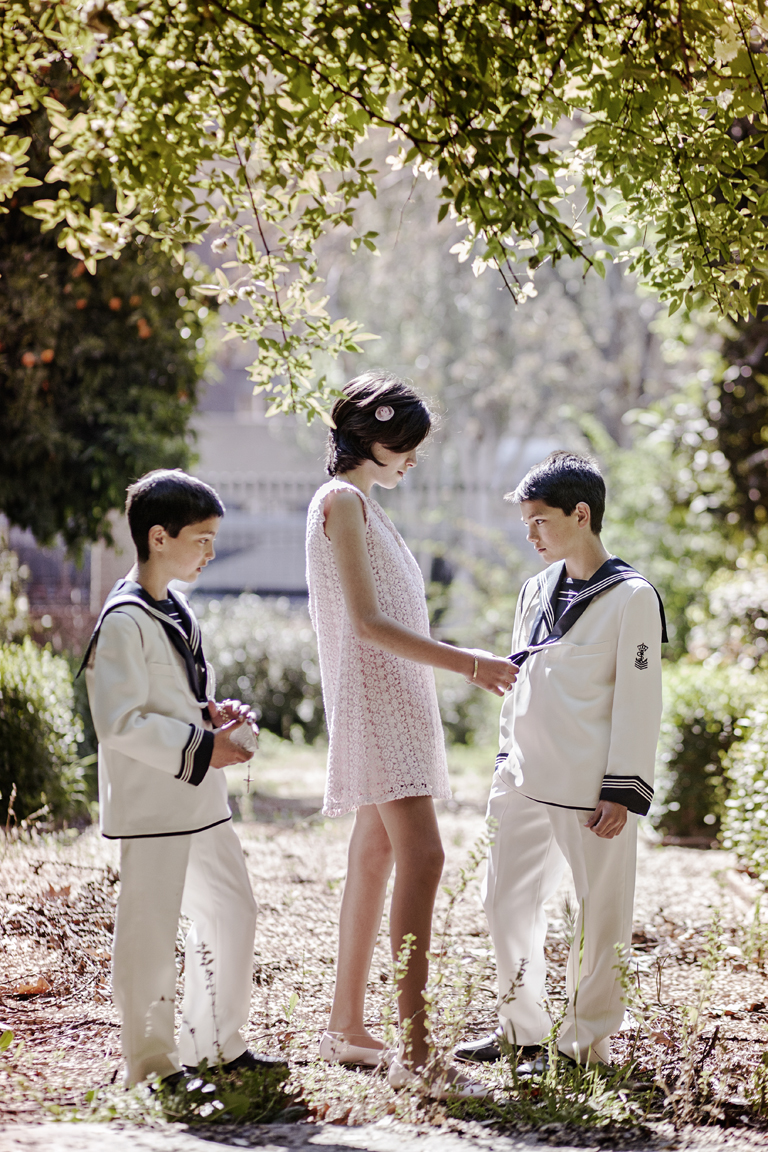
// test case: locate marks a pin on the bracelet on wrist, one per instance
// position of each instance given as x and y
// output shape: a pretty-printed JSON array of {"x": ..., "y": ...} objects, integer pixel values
[{"x": 474, "y": 670}]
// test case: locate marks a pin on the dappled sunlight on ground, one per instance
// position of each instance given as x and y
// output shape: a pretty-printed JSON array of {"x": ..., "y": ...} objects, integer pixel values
[{"x": 57, "y": 899}]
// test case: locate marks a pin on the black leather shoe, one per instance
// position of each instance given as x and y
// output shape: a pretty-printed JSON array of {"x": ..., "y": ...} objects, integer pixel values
[
  {"x": 247, "y": 1062},
  {"x": 170, "y": 1082},
  {"x": 253, "y": 1062},
  {"x": 486, "y": 1050}
]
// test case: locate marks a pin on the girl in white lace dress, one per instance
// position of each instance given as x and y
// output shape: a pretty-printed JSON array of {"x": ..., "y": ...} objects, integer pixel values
[{"x": 386, "y": 757}]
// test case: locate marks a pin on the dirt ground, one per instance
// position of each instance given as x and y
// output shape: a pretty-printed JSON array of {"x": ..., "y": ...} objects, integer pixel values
[{"x": 57, "y": 897}]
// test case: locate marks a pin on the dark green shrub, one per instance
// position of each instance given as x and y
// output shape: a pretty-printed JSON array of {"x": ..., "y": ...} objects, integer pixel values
[
  {"x": 265, "y": 653},
  {"x": 39, "y": 734},
  {"x": 745, "y": 824},
  {"x": 702, "y": 709}
]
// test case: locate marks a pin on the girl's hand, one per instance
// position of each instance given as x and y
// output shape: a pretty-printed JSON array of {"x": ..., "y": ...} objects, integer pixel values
[{"x": 494, "y": 673}]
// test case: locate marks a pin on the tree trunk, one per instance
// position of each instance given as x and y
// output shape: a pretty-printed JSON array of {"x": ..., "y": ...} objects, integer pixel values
[{"x": 742, "y": 424}]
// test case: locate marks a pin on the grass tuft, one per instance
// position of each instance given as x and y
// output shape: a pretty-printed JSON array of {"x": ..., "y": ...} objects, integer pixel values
[{"x": 257, "y": 1096}]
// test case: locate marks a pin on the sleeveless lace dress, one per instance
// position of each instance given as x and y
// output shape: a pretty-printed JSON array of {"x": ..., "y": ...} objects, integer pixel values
[{"x": 385, "y": 735}]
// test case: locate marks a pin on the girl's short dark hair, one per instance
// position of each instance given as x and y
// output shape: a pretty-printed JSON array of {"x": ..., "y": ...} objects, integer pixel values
[
  {"x": 564, "y": 480},
  {"x": 358, "y": 429},
  {"x": 171, "y": 498}
]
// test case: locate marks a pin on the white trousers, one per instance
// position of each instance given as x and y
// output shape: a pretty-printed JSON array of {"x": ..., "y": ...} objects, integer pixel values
[
  {"x": 203, "y": 876},
  {"x": 532, "y": 844}
]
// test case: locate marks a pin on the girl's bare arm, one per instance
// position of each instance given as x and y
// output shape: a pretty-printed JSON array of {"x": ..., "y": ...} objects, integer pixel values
[{"x": 345, "y": 528}]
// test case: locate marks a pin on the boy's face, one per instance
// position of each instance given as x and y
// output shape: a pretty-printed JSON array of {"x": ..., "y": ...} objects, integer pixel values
[
  {"x": 554, "y": 535},
  {"x": 183, "y": 557}
]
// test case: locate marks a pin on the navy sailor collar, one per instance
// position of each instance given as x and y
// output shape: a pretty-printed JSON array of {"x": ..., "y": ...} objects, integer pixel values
[
  {"x": 185, "y": 639},
  {"x": 546, "y": 630}
]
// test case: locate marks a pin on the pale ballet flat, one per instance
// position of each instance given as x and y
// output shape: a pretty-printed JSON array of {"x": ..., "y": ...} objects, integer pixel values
[
  {"x": 335, "y": 1049},
  {"x": 462, "y": 1089}
]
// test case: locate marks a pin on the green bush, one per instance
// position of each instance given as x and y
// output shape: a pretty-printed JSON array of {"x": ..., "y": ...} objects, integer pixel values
[
  {"x": 734, "y": 621},
  {"x": 87, "y": 742},
  {"x": 469, "y": 715},
  {"x": 39, "y": 734},
  {"x": 265, "y": 653},
  {"x": 745, "y": 824},
  {"x": 700, "y": 724}
]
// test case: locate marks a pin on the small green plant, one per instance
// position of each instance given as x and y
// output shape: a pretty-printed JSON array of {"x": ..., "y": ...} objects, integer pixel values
[
  {"x": 453, "y": 985},
  {"x": 692, "y": 1095},
  {"x": 397, "y": 1035},
  {"x": 570, "y": 915},
  {"x": 757, "y": 1087},
  {"x": 566, "y": 1095},
  {"x": 215, "y": 1096},
  {"x": 290, "y": 1007},
  {"x": 212, "y": 1096},
  {"x": 754, "y": 938}
]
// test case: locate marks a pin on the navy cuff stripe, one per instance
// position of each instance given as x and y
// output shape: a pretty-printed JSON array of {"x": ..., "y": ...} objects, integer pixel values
[
  {"x": 631, "y": 791},
  {"x": 196, "y": 756}
]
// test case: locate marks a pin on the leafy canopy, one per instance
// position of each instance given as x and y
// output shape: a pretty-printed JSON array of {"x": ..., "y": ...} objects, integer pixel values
[
  {"x": 252, "y": 113},
  {"x": 98, "y": 370}
]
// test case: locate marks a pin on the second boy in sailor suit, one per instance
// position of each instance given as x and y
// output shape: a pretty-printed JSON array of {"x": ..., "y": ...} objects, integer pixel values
[{"x": 575, "y": 766}]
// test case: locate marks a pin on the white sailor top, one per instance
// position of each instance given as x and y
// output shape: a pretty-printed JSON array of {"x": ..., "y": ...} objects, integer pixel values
[
  {"x": 582, "y": 721},
  {"x": 147, "y": 686}
]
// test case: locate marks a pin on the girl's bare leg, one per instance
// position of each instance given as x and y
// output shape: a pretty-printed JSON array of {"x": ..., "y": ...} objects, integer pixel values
[
  {"x": 369, "y": 865},
  {"x": 411, "y": 825}
]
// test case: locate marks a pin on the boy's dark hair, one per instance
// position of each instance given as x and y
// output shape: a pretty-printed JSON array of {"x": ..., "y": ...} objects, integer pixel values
[
  {"x": 564, "y": 480},
  {"x": 357, "y": 427},
  {"x": 171, "y": 498}
]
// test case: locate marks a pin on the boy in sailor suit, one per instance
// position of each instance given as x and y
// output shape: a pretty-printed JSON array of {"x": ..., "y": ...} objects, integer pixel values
[
  {"x": 162, "y": 742},
  {"x": 575, "y": 767}
]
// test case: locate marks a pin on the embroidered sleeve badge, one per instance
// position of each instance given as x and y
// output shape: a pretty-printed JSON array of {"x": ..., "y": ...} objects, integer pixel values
[{"x": 640, "y": 660}]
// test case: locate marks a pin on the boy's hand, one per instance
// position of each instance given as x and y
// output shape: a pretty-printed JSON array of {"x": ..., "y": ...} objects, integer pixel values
[
  {"x": 230, "y": 710},
  {"x": 608, "y": 819},
  {"x": 225, "y": 751}
]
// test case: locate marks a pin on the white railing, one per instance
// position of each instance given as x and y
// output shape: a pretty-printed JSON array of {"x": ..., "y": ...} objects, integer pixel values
[{"x": 262, "y": 492}]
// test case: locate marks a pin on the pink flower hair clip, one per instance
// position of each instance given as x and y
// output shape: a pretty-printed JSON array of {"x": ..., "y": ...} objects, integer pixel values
[{"x": 384, "y": 412}]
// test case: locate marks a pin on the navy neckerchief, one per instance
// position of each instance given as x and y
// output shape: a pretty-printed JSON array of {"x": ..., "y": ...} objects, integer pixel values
[
  {"x": 186, "y": 640},
  {"x": 548, "y": 582}
]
